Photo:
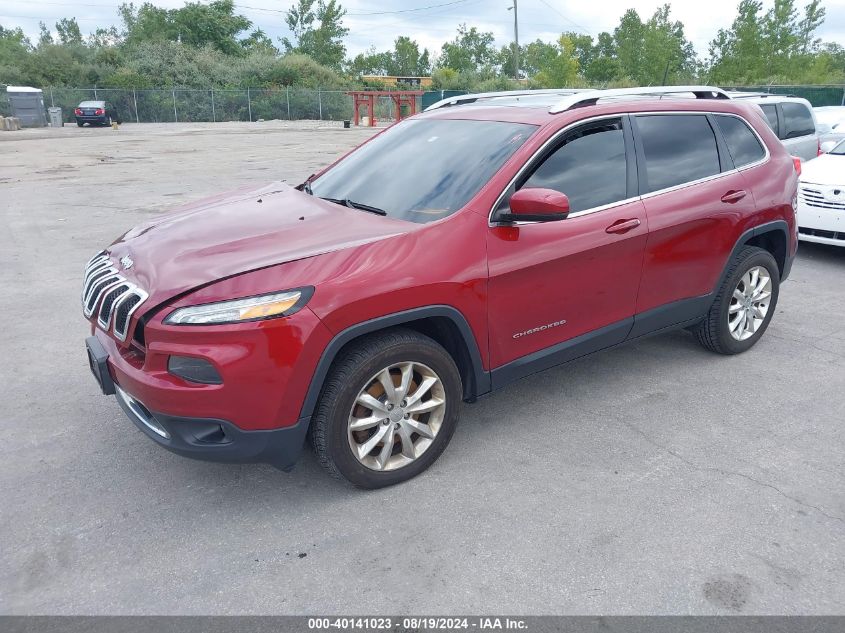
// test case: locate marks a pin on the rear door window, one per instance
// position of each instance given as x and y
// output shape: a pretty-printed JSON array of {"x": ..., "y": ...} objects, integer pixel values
[
  {"x": 742, "y": 143},
  {"x": 797, "y": 120},
  {"x": 771, "y": 113},
  {"x": 678, "y": 148}
]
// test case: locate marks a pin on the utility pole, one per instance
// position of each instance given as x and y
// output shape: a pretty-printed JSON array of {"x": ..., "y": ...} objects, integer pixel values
[{"x": 516, "y": 39}]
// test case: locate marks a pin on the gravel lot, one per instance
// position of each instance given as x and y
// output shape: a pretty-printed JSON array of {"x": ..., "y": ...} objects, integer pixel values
[{"x": 654, "y": 478}]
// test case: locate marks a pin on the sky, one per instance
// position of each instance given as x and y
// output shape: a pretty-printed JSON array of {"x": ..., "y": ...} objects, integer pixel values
[{"x": 432, "y": 22}]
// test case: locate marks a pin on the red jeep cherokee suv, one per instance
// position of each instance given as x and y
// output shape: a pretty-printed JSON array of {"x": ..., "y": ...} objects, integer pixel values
[{"x": 491, "y": 237}]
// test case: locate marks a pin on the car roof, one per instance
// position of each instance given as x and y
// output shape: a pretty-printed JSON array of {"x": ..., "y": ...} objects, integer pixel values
[
  {"x": 767, "y": 97},
  {"x": 536, "y": 112}
]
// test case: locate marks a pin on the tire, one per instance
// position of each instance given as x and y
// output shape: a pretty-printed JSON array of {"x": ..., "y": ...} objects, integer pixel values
[
  {"x": 355, "y": 376},
  {"x": 723, "y": 330},
  {"x": 80, "y": 124}
]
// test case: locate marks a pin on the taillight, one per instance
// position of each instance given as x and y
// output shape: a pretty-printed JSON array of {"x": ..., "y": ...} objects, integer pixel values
[
  {"x": 77, "y": 112},
  {"x": 796, "y": 162},
  {"x": 819, "y": 151},
  {"x": 99, "y": 111}
]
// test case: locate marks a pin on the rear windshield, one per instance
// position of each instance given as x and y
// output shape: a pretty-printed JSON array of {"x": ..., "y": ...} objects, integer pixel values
[
  {"x": 797, "y": 120},
  {"x": 423, "y": 169},
  {"x": 91, "y": 104}
]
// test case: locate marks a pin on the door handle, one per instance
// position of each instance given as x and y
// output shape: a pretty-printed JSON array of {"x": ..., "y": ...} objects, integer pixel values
[
  {"x": 623, "y": 226},
  {"x": 733, "y": 196}
]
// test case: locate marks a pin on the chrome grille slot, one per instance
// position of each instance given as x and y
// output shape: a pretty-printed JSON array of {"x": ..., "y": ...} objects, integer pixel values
[
  {"x": 110, "y": 295},
  {"x": 94, "y": 276},
  {"x": 816, "y": 198},
  {"x": 97, "y": 290},
  {"x": 107, "y": 306},
  {"x": 124, "y": 308}
]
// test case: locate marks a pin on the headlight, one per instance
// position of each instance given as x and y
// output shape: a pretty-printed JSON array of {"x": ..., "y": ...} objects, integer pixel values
[{"x": 277, "y": 304}]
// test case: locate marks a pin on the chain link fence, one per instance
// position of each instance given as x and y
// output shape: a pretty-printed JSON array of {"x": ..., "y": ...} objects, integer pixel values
[
  {"x": 251, "y": 104},
  {"x": 192, "y": 105}
]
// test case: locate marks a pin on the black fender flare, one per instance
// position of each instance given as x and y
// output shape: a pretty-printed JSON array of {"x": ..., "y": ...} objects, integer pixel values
[
  {"x": 748, "y": 235},
  {"x": 480, "y": 377}
]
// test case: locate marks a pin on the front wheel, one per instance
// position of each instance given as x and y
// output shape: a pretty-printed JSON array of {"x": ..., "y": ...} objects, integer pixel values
[
  {"x": 745, "y": 304},
  {"x": 388, "y": 409}
]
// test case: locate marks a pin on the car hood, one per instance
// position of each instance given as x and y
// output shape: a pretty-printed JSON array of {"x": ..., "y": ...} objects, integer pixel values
[
  {"x": 240, "y": 231},
  {"x": 827, "y": 169}
]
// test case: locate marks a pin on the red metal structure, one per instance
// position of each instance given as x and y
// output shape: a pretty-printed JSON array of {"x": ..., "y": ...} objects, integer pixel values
[{"x": 367, "y": 98}]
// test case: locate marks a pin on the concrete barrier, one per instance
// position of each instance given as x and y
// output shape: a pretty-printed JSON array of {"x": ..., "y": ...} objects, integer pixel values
[{"x": 10, "y": 123}]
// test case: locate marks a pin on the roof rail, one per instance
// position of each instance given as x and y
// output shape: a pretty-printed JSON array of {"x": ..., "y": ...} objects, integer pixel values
[
  {"x": 737, "y": 94},
  {"x": 591, "y": 97},
  {"x": 473, "y": 97}
]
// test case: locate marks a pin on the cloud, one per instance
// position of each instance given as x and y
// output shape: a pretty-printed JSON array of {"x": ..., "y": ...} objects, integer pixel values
[{"x": 378, "y": 23}]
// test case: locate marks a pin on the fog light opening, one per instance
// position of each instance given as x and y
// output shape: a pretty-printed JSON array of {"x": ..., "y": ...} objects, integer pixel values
[{"x": 193, "y": 369}]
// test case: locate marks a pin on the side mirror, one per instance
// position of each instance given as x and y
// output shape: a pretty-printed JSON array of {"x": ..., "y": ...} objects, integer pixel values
[
  {"x": 536, "y": 205},
  {"x": 827, "y": 146}
]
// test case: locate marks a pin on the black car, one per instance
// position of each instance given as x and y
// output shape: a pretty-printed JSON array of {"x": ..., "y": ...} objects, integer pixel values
[{"x": 96, "y": 112}]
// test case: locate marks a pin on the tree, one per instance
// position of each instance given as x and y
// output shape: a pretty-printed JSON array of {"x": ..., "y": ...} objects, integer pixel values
[
  {"x": 258, "y": 41},
  {"x": 813, "y": 18},
  {"x": 471, "y": 51},
  {"x": 561, "y": 69},
  {"x": 735, "y": 53},
  {"x": 407, "y": 61},
  {"x": 778, "y": 45},
  {"x": 14, "y": 51},
  {"x": 215, "y": 24},
  {"x": 604, "y": 65},
  {"x": 68, "y": 31},
  {"x": 45, "y": 38},
  {"x": 653, "y": 52},
  {"x": 628, "y": 38},
  {"x": 370, "y": 62},
  {"x": 322, "y": 42}
]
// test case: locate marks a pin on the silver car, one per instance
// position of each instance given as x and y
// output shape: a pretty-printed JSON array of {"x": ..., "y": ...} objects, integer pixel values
[{"x": 791, "y": 118}]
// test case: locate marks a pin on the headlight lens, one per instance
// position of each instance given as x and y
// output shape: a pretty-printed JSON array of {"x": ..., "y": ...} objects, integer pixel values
[{"x": 249, "y": 309}]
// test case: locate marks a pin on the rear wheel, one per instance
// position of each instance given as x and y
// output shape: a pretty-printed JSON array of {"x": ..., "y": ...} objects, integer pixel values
[
  {"x": 745, "y": 304},
  {"x": 388, "y": 409},
  {"x": 80, "y": 123}
]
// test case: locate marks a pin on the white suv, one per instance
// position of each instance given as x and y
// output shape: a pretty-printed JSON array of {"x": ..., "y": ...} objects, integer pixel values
[{"x": 791, "y": 118}]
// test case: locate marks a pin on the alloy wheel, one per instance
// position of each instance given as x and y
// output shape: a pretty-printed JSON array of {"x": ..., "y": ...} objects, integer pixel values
[
  {"x": 749, "y": 303},
  {"x": 396, "y": 416}
]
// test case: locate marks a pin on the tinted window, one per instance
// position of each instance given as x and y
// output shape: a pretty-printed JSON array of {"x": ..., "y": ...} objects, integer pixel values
[
  {"x": 797, "y": 120},
  {"x": 741, "y": 141},
  {"x": 771, "y": 113},
  {"x": 423, "y": 169},
  {"x": 589, "y": 167},
  {"x": 678, "y": 149}
]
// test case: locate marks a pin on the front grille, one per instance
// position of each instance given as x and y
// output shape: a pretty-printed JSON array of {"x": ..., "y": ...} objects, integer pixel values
[
  {"x": 110, "y": 296},
  {"x": 816, "y": 198},
  {"x": 831, "y": 235}
]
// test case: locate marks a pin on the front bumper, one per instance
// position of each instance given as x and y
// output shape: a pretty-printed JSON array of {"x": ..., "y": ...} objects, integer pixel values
[
  {"x": 216, "y": 440},
  {"x": 208, "y": 439},
  {"x": 821, "y": 225}
]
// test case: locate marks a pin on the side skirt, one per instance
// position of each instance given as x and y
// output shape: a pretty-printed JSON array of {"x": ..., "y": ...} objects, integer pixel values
[{"x": 676, "y": 315}]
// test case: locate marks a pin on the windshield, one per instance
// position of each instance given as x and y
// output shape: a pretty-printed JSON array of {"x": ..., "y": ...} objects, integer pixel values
[
  {"x": 839, "y": 150},
  {"x": 832, "y": 118},
  {"x": 423, "y": 169}
]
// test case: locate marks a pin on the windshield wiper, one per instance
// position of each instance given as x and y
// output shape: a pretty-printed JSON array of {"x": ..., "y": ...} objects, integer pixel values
[{"x": 346, "y": 202}]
